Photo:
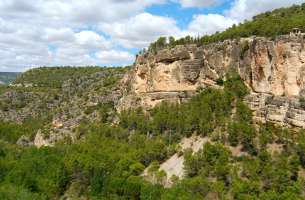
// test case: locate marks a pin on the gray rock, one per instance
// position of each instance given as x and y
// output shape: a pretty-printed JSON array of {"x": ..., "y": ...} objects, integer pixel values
[{"x": 24, "y": 141}]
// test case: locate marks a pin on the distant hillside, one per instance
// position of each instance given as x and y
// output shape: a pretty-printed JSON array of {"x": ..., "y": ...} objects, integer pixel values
[
  {"x": 66, "y": 94},
  {"x": 8, "y": 77},
  {"x": 53, "y": 77}
]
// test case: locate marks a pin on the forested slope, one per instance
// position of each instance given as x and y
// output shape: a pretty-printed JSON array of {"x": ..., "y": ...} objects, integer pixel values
[
  {"x": 53, "y": 77},
  {"x": 108, "y": 162}
]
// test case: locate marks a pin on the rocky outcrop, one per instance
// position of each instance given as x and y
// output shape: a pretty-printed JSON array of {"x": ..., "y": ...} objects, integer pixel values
[
  {"x": 40, "y": 140},
  {"x": 174, "y": 166},
  {"x": 84, "y": 95},
  {"x": 274, "y": 71},
  {"x": 59, "y": 111},
  {"x": 286, "y": 111},
  {"x": 24, "y": 141}
]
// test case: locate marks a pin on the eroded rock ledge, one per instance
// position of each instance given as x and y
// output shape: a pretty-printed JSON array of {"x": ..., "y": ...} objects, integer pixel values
[
  {"x": 286, "y": 111},
  {"x": 274, "y": 71}
]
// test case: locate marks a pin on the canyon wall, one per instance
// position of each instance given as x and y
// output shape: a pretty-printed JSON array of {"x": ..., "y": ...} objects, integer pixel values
[{"x": 274, "y": 71}]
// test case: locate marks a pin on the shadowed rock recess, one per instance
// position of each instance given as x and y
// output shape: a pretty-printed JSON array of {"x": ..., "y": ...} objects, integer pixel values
[{"x": 274, "y": 71}]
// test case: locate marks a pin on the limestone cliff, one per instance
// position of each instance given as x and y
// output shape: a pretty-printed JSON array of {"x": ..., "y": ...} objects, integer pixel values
[{"x": 274, "y": 71}]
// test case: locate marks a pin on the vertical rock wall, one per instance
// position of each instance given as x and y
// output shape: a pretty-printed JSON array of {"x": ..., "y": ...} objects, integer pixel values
[{"x": 274, "y": 71}]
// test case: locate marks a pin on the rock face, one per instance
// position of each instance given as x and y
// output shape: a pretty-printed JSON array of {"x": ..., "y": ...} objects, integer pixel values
[
  {"x": 277, "y": 109},
  {"x": 24, "y": 141},
  {"x": 274, "y": 71},
  {"x": 17, "y": 106}
]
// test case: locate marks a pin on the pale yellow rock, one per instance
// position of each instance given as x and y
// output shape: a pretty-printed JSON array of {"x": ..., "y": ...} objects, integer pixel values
[
  {"x": 269, "y": 68},
  {"x": 39, "y": 140}
]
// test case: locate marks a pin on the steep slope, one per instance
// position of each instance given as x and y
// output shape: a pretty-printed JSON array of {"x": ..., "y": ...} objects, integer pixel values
[
  {"x": 58, "y": 100},
  {"x": 274, "y": 71},
  {"x": 174, "y": 166},
  {"x": 85, "y": 99}
]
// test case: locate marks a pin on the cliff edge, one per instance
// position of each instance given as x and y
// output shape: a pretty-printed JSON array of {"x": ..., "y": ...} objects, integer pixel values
[{"x": 274, "y": 71}]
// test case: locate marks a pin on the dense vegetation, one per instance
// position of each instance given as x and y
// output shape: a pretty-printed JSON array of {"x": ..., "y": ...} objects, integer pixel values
[
  {"x": 53, "y": 77},
  {"x": 3, "y": 88},
  {"x": 11, "y": 132},
  {"x": 270, "y": 24},
  {"x": 108, "y": 163}
]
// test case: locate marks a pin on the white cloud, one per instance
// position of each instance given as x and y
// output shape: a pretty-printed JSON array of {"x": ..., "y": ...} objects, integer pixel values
[
  {"x": 198, "y": 3},
  {"x": 61, "y": 32},
  {"x": 5, "y": 27},
  {"x": 238, "y": 12},
  {"x": 92, "y": 40},
  {"x": 82, "y": 32},
  {"x": 246, "y": 9},
  {"x": 140, "y": 30},
  {"x": 78, "y": 11},
  {"x": 114, "y": 56},
  {"x": 68, "y": 57},
  {"x": 209, "y": 24},
  {"x": 59, "y": 35},
  {"x": 18, "y": 6}
]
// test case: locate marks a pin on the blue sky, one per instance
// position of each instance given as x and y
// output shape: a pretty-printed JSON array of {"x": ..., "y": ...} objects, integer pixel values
[
  {"x": 110, "y": 32},
  {"x": 184, "y": 15}
]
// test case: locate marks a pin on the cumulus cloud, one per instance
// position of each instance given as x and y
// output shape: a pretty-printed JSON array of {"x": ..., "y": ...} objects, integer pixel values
[
  {"x": 35, "y": 33},
  {"x": 59, "y": 35},
  {"x": 114, "y": 56},
  {"x": 246, "y": 9},
  {"x": 140, "y": 30},
  {"x": 107, "y": 10},
  {"x": 199, "y": 3},
  {"x": 5, "y": 27},
  {"x": 77, "y": 10},
  {"x": 209, "y": 24},
  {"x": 92, "y": 40}
]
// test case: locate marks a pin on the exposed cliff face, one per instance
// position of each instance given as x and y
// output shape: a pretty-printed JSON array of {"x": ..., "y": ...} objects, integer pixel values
[
  {"x": 274, "y": 71},
  {"x": 277, "y": 109}
]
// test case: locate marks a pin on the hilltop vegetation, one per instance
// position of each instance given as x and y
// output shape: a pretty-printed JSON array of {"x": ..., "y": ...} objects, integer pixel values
[
  {"x": 270, "y": 24},
  {"x": 54, "y": 77}
]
